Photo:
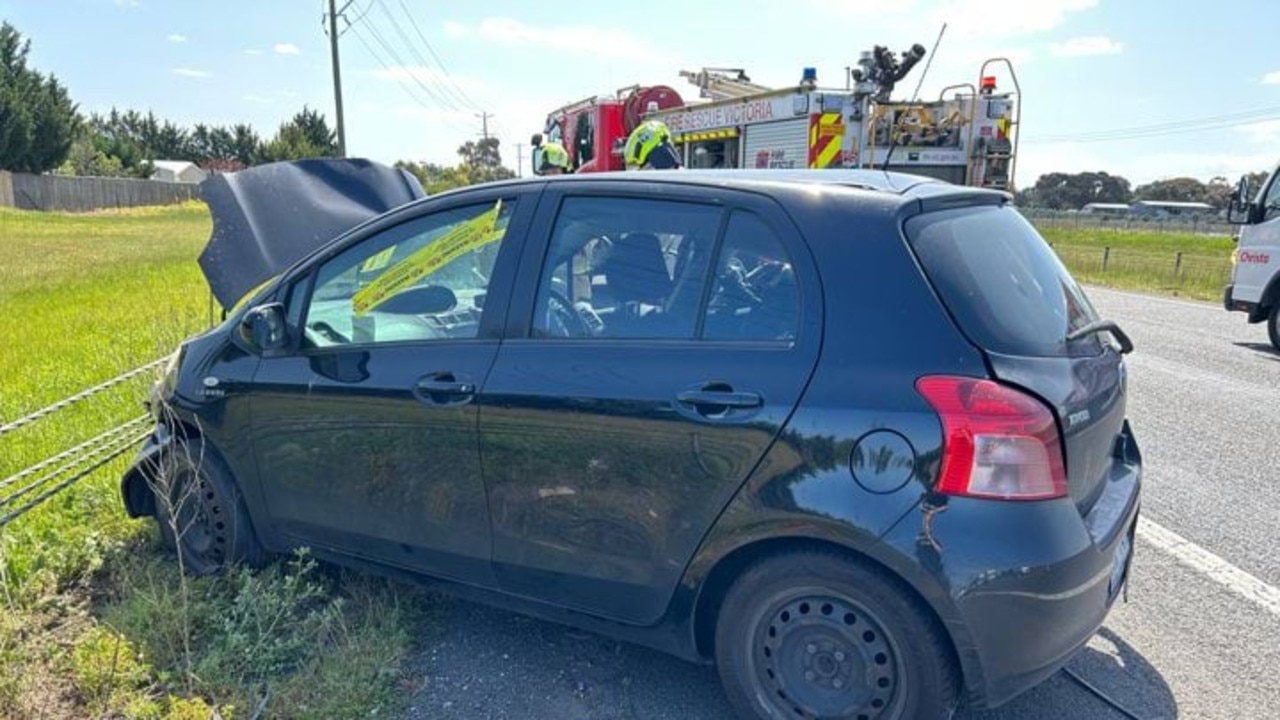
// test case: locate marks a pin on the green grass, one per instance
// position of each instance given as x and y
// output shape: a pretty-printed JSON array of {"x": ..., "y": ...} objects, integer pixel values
[
  {"x": 96, "y": 621},
  {"x": 1145, "y": 260}
]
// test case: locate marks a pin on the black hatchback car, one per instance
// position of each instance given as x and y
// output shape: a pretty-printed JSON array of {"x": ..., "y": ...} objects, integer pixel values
[{"x": 856, "y": 437}]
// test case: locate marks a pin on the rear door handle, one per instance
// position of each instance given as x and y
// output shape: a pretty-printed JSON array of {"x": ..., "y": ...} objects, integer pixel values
[{"x": 721, "y": 398}]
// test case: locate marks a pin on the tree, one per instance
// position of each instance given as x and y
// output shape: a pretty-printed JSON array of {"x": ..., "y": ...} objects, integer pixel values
[
  {"x": 482, "y": 161},
  {"x": 1182, "y": 189},
  {"x": 435, "y": 178},
  {"x": 1063, "y": 191},
  {"x": 38, "y": 121},
  {"x": 307, "y": 135}
]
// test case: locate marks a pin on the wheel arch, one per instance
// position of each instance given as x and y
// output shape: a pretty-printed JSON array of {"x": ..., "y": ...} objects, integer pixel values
[
  {"x": 726, "y": 568},
  {"x": 137, "y": 488}
]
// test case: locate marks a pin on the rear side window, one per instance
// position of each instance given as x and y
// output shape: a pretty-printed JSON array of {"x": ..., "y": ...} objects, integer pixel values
[
  {"x": 1003, "y": 284},
  {"x": 755, "y": 295}
]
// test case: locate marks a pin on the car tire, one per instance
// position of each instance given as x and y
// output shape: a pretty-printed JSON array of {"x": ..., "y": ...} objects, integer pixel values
[
  {"x": 815, "y": 634},
  {"x": 203, "y": 520},
  {"x": 1273, "y": 326}
]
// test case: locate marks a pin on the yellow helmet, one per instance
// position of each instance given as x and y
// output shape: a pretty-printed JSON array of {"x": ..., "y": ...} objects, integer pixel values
[
  {"x": 649, "y": 146},
  {"x": 554, "y": 156}
]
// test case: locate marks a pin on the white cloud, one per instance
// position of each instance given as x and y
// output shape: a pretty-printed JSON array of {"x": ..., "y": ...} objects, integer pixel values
[
  {"x": 252, "y": 51},
  {"x": 192, "y": 73},
  {"x": 1263, "y": 132},
  {"x": 1271, "y": 78},
  {"x": 418, "y": 112},
  {"x": 454, "y": 29},
  {"x": 287, "y": 49},
  {"x": 128, "y": 3},
  {"x": 257, "y": 99},
  {"x": 601, "y": 43},
  {"x": 177, "y": 39},
  {"x": 1086, "y": 46},
  {"x": 426, "y": 75},
  {"x": 997, "y": 18}
]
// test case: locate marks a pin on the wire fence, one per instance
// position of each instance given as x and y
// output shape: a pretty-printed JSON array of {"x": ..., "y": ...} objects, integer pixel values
[
  {"x": 29, "y": 488},
  {"x": 1194, "y": 224},
  {"x": 1197, "y": 275}
]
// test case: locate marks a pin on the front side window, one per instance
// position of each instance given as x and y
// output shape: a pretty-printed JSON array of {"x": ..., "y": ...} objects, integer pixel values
[
  {"x": 626, "y": 268},
  {"x": 1271, "y": 203},
  {"x": 425, "y": 279}
]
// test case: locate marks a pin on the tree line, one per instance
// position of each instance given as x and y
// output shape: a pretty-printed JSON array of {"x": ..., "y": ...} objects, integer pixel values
[{"x": 1072, "y": 191}]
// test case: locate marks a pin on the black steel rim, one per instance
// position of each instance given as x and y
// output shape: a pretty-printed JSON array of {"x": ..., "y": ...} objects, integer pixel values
[
  {"x": 822, "y": 655},
  {"x": 201, "y": 524}
]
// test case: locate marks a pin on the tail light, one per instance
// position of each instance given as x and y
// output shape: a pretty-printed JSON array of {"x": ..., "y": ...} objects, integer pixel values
[{"x": 999, "y": 443}]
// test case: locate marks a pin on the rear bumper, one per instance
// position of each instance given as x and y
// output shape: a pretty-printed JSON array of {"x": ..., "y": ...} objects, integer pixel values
[
  {"x": 1026, "y": 584},
  {"x": 1229, "y": 301}
]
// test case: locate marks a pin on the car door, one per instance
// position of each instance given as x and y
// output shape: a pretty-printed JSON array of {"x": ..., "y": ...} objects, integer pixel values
[
  {"x": 1257, "y": 260},
  {"x": 365, "y": 436},
  {"x": 656, "y": 347}
]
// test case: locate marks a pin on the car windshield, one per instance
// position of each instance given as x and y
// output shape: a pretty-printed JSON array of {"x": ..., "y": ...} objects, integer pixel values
[{"x": 1005, "y": 286}]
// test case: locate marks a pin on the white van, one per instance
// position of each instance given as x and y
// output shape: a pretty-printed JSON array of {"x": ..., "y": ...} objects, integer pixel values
[{"x": 1255, "y": 276}]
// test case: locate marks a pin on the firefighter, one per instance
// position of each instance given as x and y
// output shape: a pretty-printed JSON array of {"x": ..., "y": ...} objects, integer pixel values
[
  {"x": 649, "y": 148},
  {"x": 555, "y": 159}
]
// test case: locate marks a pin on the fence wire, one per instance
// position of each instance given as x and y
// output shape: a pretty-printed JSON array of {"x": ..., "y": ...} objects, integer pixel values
[
  {"x": 111, "y": 454},
  {"x": 80, "y": 396}
]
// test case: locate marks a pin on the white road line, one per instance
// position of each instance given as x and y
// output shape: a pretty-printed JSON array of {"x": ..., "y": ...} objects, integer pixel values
[{"x": 1220, "y": 571}]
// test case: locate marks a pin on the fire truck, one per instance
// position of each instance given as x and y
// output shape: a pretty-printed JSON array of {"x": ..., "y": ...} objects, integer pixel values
[{"x": 967, "y": 136}]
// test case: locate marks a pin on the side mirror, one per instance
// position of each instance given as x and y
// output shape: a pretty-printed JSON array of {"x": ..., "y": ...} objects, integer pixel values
[
  {"x": 536, "y": 140},
  {"x": 1240, "y": 209},
  {"x": 535, "y": 157},
  {"x": 264, "y": 327}
]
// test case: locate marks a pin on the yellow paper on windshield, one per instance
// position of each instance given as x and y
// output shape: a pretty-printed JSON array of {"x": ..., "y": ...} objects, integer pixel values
[{"x": 466, "y": 237}]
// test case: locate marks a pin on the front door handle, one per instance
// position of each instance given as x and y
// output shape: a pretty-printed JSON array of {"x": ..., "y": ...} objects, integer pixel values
[
  {"x": 444, "y": 388},
  {"x": 721, "y": 398}
]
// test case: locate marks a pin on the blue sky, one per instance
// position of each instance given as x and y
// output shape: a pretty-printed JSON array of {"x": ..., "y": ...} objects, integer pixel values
[{"x": 1087, "y": 67}]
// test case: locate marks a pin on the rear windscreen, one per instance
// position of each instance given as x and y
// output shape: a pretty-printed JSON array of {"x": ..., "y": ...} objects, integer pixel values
[{"x": 1003, "y": 284}]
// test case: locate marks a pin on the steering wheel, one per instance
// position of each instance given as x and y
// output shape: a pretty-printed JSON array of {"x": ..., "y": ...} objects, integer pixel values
[{"x": 563, "y": 320}]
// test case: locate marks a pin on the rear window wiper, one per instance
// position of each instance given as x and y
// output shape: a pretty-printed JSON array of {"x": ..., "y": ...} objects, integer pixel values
[{"x": 1097, "y": 326}]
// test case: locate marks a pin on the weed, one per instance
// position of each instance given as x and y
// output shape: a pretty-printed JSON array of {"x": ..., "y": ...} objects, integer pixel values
[{"x": 95, "y": 620}]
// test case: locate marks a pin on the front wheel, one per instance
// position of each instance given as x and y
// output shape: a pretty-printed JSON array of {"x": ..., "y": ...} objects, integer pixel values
[
  {"x": 200, "y": 512},
  {"x": 816, "y": 635},
  {"x": 1273, "y": 326}
]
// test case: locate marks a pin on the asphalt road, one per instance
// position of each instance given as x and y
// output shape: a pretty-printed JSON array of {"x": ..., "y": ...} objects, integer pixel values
[{"x": 1199, "y": 638}]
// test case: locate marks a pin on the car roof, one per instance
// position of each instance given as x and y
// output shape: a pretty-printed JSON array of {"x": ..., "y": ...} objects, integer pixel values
[{"x": 895, "y": 187}]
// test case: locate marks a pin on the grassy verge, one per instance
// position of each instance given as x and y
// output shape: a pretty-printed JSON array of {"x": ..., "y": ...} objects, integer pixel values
[
  {"x": 96, "y": 620},
  {"x": 1147, "y": 261}
]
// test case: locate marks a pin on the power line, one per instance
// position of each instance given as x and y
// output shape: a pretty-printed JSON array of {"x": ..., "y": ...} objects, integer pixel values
[
  {"x": 449, "y": 82},
  {"x": 445, "y": 92},
  {"x": 1169, "y": 128},
  {"x": 443, "y": 102},
  {"x": 407, "y": 87}
]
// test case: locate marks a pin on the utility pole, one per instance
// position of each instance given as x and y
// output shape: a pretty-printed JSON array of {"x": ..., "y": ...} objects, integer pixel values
[
  {"x": 519, "y": 159},
  {"x": 484, "y": 119},
  {"x": 337, "y": 75}
]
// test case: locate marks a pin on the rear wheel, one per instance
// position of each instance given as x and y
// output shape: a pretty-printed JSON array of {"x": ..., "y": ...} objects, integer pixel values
[
  {"x": 1273, "y": 326},
  {"x": 200, "y": 512},
  {"x": 815, "y": 635}
]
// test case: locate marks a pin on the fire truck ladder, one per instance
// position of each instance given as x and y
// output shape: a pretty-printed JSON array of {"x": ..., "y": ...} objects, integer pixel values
[
  {"x": 718, "y": 84},
  {"x": 997, "y": 160}
]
